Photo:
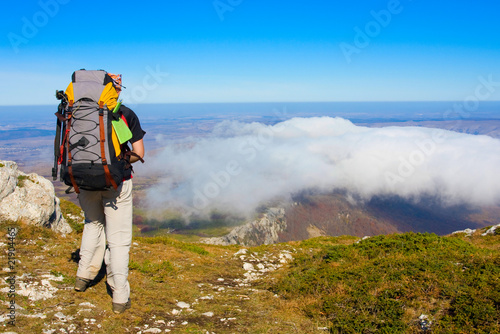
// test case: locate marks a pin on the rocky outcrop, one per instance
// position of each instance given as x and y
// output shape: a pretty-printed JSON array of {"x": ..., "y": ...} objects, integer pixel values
[
  {"x": 264, "y": 230},
  {"x": 469, "y": 232},
  {"x": 29, "y": 198},
  {"x": 492, "y": 230}
]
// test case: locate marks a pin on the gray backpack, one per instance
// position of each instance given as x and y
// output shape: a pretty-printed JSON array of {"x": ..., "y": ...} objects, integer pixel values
[{"x": 86, "y": 146}]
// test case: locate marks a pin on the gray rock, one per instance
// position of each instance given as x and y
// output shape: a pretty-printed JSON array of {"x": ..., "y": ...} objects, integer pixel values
[
  {"x": 29, "y": 198},
  {"x": 8, "y": 178},
  {"x": 258, "y": 232},
  {"x": 491, "y": 230}
]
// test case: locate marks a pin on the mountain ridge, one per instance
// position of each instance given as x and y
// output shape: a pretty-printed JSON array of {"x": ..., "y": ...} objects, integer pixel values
[{"x": 312, "y": 215}]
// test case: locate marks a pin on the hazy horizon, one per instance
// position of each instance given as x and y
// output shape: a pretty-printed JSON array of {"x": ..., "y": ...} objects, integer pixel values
[{"x": 388, "y": 109}]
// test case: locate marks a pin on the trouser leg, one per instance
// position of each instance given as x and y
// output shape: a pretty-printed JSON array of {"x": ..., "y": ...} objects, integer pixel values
[
  {"x": 118, "y": 211},
  {"x": 93, "y": 237}
]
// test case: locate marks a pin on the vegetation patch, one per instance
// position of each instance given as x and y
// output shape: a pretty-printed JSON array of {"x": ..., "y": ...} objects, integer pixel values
[
  {"x": 158, "y": 271},
  {"x": 72, "y": 213},
  {"x": 21, "y": 179},
  {"x": 390, "y": 284},
  {"x": 176, "y": 244}
]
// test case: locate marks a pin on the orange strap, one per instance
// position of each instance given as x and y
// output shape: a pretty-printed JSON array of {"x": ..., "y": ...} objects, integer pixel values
[
  {"x": 73, "y": 182},
  {"x": 109, "y": 178}
]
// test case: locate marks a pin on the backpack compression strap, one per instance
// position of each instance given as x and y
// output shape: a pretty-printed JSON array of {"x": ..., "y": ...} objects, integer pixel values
[
  {"x": 70, "y": 167},
  {"x": 109, "y": 178}
]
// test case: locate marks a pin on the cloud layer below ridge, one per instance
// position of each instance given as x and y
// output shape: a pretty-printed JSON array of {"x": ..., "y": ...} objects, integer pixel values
[{"x": 242, "y": 165}]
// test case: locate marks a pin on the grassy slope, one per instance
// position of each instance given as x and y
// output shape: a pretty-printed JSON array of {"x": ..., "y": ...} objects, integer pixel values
[
  {"x": 163, "y": 272},
  {"x": 382, "y": 284},
  {"x": 402, "y": 283}
]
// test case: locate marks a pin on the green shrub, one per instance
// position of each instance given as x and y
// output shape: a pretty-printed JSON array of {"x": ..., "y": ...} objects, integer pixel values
[
  {"x": 21, "y": 180},
  {"x": 382, "y": 284}
]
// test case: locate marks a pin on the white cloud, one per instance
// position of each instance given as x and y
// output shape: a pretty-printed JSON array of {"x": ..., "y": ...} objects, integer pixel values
[{"x": 242, "y": 165}]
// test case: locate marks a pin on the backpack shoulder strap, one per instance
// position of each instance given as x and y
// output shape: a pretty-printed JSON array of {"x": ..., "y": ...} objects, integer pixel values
[{"x": 109, "y": 96}]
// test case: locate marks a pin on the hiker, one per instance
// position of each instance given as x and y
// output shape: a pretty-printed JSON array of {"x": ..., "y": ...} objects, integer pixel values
[{"x": 105, "y": 198}]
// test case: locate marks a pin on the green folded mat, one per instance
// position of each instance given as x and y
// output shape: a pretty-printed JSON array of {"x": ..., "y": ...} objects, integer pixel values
[{"x": 121, "y": 129}]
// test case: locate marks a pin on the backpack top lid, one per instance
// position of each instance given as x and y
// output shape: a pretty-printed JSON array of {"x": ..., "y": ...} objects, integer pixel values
[
  {"x": 97, "y": 86},
  {"x": 99, "y": 76}
]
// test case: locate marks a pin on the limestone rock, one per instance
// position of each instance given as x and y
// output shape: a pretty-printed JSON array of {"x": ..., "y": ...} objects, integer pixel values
[
  {"x": 491, "y": 230},
  {"x": 261, "y": 231},
  {"x": 29, "y": 198},
  {"x": 8, "y": 178}
]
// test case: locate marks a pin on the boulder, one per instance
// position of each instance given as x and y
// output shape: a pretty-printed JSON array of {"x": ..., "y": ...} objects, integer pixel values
[{"x": 29, "y": 198}]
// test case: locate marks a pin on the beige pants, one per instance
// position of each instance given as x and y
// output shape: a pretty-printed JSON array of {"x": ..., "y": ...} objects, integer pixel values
[{"x": 108, "y": 218}]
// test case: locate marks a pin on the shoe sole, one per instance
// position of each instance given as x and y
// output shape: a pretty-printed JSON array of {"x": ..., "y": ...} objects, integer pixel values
[
  {"x": 125, "y": 306},
  {"x": 81, "y": 284}
]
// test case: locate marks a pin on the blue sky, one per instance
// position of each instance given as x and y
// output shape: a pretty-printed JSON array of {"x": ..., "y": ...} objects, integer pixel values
[{"x": 253, "y": 50}]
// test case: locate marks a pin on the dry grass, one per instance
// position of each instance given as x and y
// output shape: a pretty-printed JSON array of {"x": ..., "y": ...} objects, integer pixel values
[{"x": 162, "y": 275}]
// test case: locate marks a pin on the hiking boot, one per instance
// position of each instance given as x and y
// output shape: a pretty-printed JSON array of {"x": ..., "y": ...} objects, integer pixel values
[
  {"x": 120, "y": 308},
  {"x": 81, "y": 284}
]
